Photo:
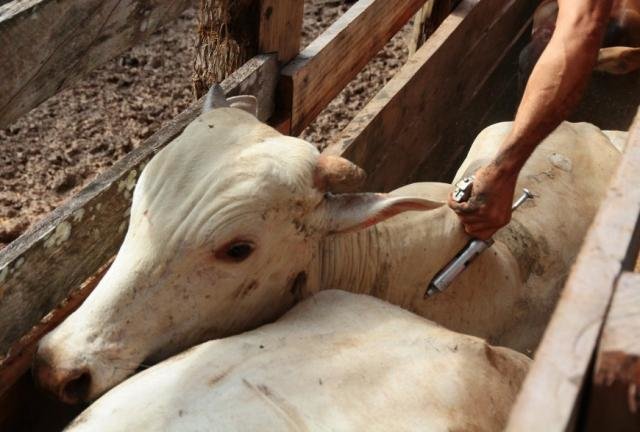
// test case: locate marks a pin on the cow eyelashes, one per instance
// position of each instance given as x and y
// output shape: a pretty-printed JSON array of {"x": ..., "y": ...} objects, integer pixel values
[{"x": 236, "y": 251}]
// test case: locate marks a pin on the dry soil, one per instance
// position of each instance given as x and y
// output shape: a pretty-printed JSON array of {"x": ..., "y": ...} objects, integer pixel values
[{"x": 57, "y": 148}]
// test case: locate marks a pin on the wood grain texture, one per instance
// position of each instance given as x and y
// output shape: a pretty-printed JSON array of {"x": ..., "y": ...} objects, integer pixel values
[
  {"x": 227, "y": 38},
  {"x": 411, "y": 123},
  {"x": 20, "y": 356},
  {"x": 615, "y": 396},
  {"x": 43, "y": 266},
  {"x": 549, "y": 398},
  {"x": 427, "y": 20},
  {"x": 281, "y": 27},
  {"x": 325, "y": 67},
  {"x": 47, "y": 44}
]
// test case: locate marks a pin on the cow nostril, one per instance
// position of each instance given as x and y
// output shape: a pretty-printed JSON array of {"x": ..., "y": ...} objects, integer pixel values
[{"x": 76, "y": 389}]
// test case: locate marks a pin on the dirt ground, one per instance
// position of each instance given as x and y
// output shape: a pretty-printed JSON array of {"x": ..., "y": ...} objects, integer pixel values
[{"x": 56, "y": 149}]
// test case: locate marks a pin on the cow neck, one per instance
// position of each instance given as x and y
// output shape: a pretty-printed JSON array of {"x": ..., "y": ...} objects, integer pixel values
[{"x": 392, "y": 260}]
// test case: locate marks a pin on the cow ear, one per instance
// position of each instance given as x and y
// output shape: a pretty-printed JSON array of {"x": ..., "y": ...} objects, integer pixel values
[
  {"x": 246, "y": 103},
  {"x": 352, "y": 212}
]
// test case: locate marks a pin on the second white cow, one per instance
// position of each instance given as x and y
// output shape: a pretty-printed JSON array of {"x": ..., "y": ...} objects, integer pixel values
[{"x": 335, "y": 362}]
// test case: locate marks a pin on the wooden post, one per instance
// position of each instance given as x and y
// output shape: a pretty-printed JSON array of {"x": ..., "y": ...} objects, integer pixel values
[
  {"x": 227, "y": 38},
  {"x": 281, "y": 28},
  {"x": 427, "y": 20},
  {"x": 615, "y": 395},
  {"x": 230, "y": 32}
]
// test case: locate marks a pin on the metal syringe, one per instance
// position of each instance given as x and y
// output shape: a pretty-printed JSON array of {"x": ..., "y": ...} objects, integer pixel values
[{"x": 475, "y": 247}]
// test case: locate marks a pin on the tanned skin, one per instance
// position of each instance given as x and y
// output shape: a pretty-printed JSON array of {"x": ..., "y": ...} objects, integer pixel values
[{"x": 552, "y": 92}]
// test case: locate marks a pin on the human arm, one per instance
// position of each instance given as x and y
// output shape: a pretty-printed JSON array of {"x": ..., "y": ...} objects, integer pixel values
[{"x": 553, "y": 90}]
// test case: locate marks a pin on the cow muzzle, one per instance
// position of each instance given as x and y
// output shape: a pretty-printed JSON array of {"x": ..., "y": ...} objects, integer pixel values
[{"x": 71, "y": 385}]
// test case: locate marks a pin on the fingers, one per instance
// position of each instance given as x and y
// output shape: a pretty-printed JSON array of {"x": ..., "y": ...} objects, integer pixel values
[
  {"x": 464, "y": 208},
  {"x": 483, "y": 231},
  {"x": 484, "y": 234},
  {"x": 483, "y": 225},
  {"x": 477, "y": 221}
]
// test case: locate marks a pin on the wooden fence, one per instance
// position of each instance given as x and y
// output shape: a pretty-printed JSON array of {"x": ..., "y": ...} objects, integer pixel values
[{"x": 421, "y": 121}]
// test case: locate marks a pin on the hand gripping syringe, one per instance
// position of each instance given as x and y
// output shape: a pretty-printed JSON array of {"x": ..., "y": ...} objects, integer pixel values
[{"x": 475, "y": 247}]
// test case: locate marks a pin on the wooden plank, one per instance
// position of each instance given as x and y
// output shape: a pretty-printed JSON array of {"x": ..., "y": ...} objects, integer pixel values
[
  {"x": 45, "y": 45},
  {"x": 326, "y": 66},
  {"x": 550, "y": 394},
  {"x": 20, "y": 356},
  {"x": 496, "y": 100},
  {"x": 281, "y": 28},
  {"x": 427, "y": 20},
  {"x": 43, "y": 266},
  {"x": 411, "y": 122},
  {"x": 615, "y": 394}
]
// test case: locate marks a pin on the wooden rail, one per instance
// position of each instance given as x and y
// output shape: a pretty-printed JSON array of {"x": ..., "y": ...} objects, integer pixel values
[
  {"x": 420, "y": 121},
  {"x": 411, "y": 123},
  {"x": 615, "y": 395},
  {"x": 47, "y": 44},
  {"x": 327, "y": 65},
  {"x": 39, "y": 269},
  {"x": 550, "y": 397},
  {"x": 19, "y": 358}
]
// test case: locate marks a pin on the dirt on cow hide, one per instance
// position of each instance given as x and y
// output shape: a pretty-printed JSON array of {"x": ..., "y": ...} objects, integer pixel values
[{"x": 52, "y": 152}]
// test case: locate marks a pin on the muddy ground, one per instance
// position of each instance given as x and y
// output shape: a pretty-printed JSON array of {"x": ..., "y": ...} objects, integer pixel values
[{"x": 56, "y": 149}]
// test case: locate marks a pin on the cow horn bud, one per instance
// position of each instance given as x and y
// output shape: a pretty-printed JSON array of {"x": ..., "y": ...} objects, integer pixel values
[
  {"x": 215, "y": 99},
  {"x": 337, "y": 175}
]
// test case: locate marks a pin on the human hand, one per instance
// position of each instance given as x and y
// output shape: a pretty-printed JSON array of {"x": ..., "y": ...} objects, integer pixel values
[{"x": 489, "y": 206}]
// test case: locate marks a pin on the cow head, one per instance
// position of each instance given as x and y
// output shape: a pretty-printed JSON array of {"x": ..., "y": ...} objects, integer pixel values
[{"x": 225, "y": 224}]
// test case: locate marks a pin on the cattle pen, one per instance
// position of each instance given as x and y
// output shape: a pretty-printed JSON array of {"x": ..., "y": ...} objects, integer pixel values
[{"x": 586, "y": 370}]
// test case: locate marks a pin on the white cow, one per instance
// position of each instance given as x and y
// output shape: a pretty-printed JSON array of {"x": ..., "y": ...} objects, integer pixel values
[
  {"x": 335, "y": 362},
  {"x": 233, "y": 223}
]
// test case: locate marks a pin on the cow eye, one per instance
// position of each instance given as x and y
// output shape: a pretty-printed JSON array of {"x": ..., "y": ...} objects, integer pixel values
[{"x": 236, "y": 251}]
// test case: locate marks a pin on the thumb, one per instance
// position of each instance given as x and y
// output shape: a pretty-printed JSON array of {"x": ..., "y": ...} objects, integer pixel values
[{"x": 459, "y": 207}]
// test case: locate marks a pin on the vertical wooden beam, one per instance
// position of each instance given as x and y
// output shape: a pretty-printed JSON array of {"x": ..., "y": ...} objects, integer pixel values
[
  {"x": 281, "y": 28},
  {"x": 615, "y": 395},
  {"x": 427, "y": 20},
  {"x": 281, "y": 32}
]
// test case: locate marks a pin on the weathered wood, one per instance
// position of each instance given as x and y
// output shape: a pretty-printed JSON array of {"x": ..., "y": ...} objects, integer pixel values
[
  {"x": 325, "y": 67},
  {"x": 615, "y": 394},
  {"x": 20, "y": 356},
  {"x": 43, "y": 266},
  {"x": 281, "y": 27},
  {"x": 428, "y": 18},
  {"x": 410, "y": 124},
  {"x": 549, "y": 398},
  {"x": 227, "y": 38},
  {"x": 45, "y": 45}
]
